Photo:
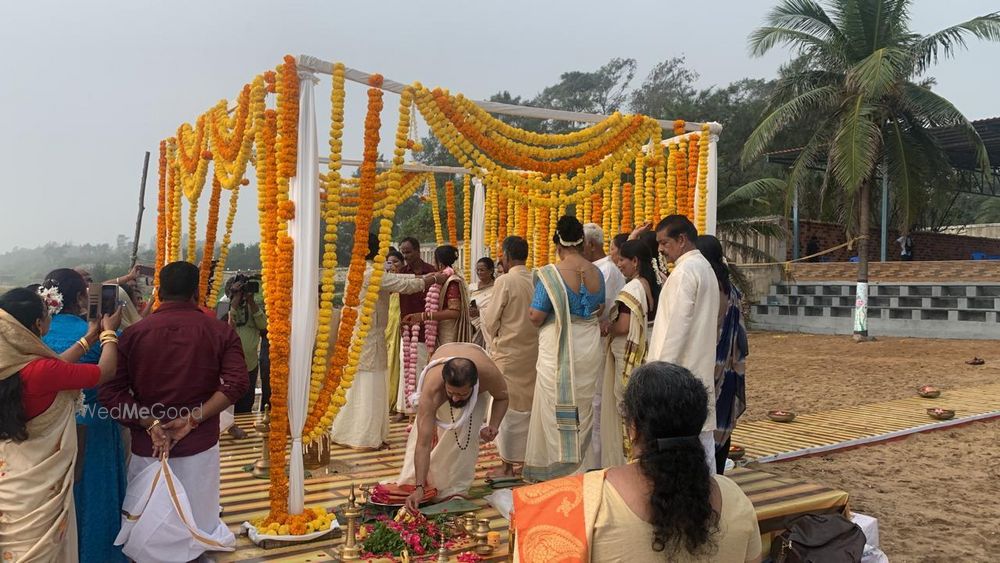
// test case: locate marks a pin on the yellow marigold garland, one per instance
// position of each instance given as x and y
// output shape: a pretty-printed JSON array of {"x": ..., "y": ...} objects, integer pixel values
[
  {"x": 432, "y": 194},
  {"x": 703, "y": 179},
  {"x": 449, "y": 202},
  {"x": 467, "y": 223}
]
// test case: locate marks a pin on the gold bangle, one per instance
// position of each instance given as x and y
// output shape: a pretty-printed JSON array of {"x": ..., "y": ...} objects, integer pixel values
[
  {"x": 108, "y": 333},
  {"x": 156, "y": 422},
  {"x": 109, "y": 339},
  {"x": 83, "y": 344}
]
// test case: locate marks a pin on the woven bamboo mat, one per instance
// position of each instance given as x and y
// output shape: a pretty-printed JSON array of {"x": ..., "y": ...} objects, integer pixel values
[{"x": 847, "y": 427}]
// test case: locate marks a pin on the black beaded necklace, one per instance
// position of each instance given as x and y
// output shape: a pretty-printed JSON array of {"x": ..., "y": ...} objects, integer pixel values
[{"x": 468, "y": 433}]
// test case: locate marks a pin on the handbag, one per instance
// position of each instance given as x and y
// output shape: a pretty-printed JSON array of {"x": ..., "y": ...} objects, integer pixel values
[{"x": 819, "y": 538}]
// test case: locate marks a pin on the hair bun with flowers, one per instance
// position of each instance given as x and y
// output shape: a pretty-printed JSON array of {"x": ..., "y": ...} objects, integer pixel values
[{"x": 51, "y": 296}]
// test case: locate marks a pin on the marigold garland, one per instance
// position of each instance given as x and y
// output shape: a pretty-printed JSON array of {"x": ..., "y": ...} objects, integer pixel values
[
  {"x": 649, "y": 192},
  {"x": 703, "y": 178},
  {"x": 449, "y": 201},
  {"x": 227, "y": 239},
  {"x": 673, "y": 201},
  {"x": 467, "y": 223},
  {"x": 161, "y": 218},
  {"x": 638, "y": 188},
  {"x": 432, "y": 194},
  {"x": 627, "y": 208},
  {"x": 692, "y": 163},
  {"x": 208, "y": 251},
  {"x": 684, "y": 195}
]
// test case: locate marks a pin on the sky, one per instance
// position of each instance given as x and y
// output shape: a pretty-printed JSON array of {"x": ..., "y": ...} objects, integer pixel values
[{"x": 87, "y": 87}]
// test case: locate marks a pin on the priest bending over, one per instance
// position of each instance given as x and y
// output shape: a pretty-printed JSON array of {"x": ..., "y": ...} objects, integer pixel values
[{"x": 451, "y": 401}]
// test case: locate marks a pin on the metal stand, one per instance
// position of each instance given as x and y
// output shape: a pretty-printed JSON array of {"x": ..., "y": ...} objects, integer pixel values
[{"x": 262, "y": 467}]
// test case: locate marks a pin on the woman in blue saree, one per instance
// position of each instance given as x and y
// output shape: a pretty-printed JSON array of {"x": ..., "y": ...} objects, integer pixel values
[
  {"x": 730, "y": 353},
  {"x": 100, "y": 488}
]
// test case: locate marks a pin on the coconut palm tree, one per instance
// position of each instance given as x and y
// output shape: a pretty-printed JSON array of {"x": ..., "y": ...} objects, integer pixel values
[{"x": 858, "y": 85}]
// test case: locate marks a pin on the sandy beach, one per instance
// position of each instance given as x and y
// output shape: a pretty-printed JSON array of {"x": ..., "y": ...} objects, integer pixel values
[{"x": 933, "y": 493}]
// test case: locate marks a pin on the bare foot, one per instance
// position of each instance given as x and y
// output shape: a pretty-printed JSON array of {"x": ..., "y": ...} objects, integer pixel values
[
  {"x": 504, "y": 471},
  {"x": 237, "y": 433}
]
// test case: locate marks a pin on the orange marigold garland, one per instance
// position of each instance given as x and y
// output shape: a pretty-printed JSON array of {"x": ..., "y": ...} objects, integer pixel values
[
  {"x": 627, "y": 208},
  {"x": 208, "y": 251},
  {"x": 679, "y": 127},
  {"x": 161, "y": 216},
  {"x": 449, "y": 201},
  {"x": 683, "y": 195},
  {"x": 227, "y": 239},
  {"x": 279, "y": 330}
]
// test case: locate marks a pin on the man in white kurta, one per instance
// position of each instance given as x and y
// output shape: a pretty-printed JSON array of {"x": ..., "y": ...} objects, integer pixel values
[
  {"x": 512, "y": 342},
  {"x": 363, "y": 422},
  {"x": 685, "y": 331},
  {"x": 614, "y": 281}
]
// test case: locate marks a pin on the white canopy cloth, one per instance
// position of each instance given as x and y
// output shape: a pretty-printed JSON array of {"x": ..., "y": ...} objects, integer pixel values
[
  {"x": 478, "y": 221},
  {"x": 304, "y": 230}
]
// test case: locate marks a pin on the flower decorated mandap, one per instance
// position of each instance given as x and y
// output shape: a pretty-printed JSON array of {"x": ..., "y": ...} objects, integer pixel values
[{"x": 620, "y": 171}]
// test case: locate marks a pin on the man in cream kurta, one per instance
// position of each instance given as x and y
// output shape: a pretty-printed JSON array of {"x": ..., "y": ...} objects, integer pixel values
[
  {"x": 512, "y": 342},
  {"x": 685, "y": 331},
  {"x": 614, "y": 281},
  {"x": 363, "y": 422}
]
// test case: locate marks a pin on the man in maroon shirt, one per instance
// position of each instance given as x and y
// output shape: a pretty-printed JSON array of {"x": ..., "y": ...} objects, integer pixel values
[
  {"x": 177, "y": 370},
  {"x": 409, "y": 247}
]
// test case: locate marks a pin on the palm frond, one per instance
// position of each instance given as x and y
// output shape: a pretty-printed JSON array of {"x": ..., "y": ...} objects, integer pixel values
[
  {"x": 856, "y": 146},
  {"x": 763, "y": 39},
  {"x": 752, "y": 191},
  {"x": 936, "y": 111},
  {"x": 803, "y": 15},
  {"x": 879, "y": 72},
  {"x": 905, "y": 168},
  {"x": 817, "y": 100},
  {"x": 945, "y": 43}
]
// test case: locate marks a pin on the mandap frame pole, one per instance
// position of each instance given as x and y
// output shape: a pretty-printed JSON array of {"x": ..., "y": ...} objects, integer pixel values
[{"x": 142, "y": 207}]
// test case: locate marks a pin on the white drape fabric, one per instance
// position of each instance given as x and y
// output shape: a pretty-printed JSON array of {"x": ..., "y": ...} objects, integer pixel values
[
  {"x": 478, "y": 221},
  {"x": 304, "y": 230}
]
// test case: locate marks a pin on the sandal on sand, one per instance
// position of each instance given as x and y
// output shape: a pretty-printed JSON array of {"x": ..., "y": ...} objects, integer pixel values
[{"x": 975, "y": 361}]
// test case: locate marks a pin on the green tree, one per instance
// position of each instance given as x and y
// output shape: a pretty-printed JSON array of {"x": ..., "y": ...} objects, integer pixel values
[{"x": 856, "y": 86}]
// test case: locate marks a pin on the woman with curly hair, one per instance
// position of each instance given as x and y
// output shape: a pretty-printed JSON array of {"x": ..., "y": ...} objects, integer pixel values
[{"x": 664, "y": 505}]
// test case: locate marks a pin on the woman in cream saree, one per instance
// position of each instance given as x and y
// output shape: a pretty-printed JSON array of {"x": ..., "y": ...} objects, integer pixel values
[{"x": 626, "y": 329}]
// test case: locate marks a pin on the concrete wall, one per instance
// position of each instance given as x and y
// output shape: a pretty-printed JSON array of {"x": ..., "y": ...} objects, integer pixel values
[
  {"x": 926, "y": 245},
  {"x": 888, "y": 272}
]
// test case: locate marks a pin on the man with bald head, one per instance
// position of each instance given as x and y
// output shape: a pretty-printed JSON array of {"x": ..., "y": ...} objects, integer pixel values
[{"x": 453, "y": 393}]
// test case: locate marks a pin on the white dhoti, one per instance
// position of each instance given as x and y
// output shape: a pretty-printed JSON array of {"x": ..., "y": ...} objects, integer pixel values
[
  {"x": 453, "y": 458},
  {"x": 401, "y": 404},
  {"x": 544, "y": 457},
  {"x": 173, "y": 516},
  {"x": 594, "y": 460},
  {"x": 512, "y": 439},
  {"x": 363, "y": 422}
]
